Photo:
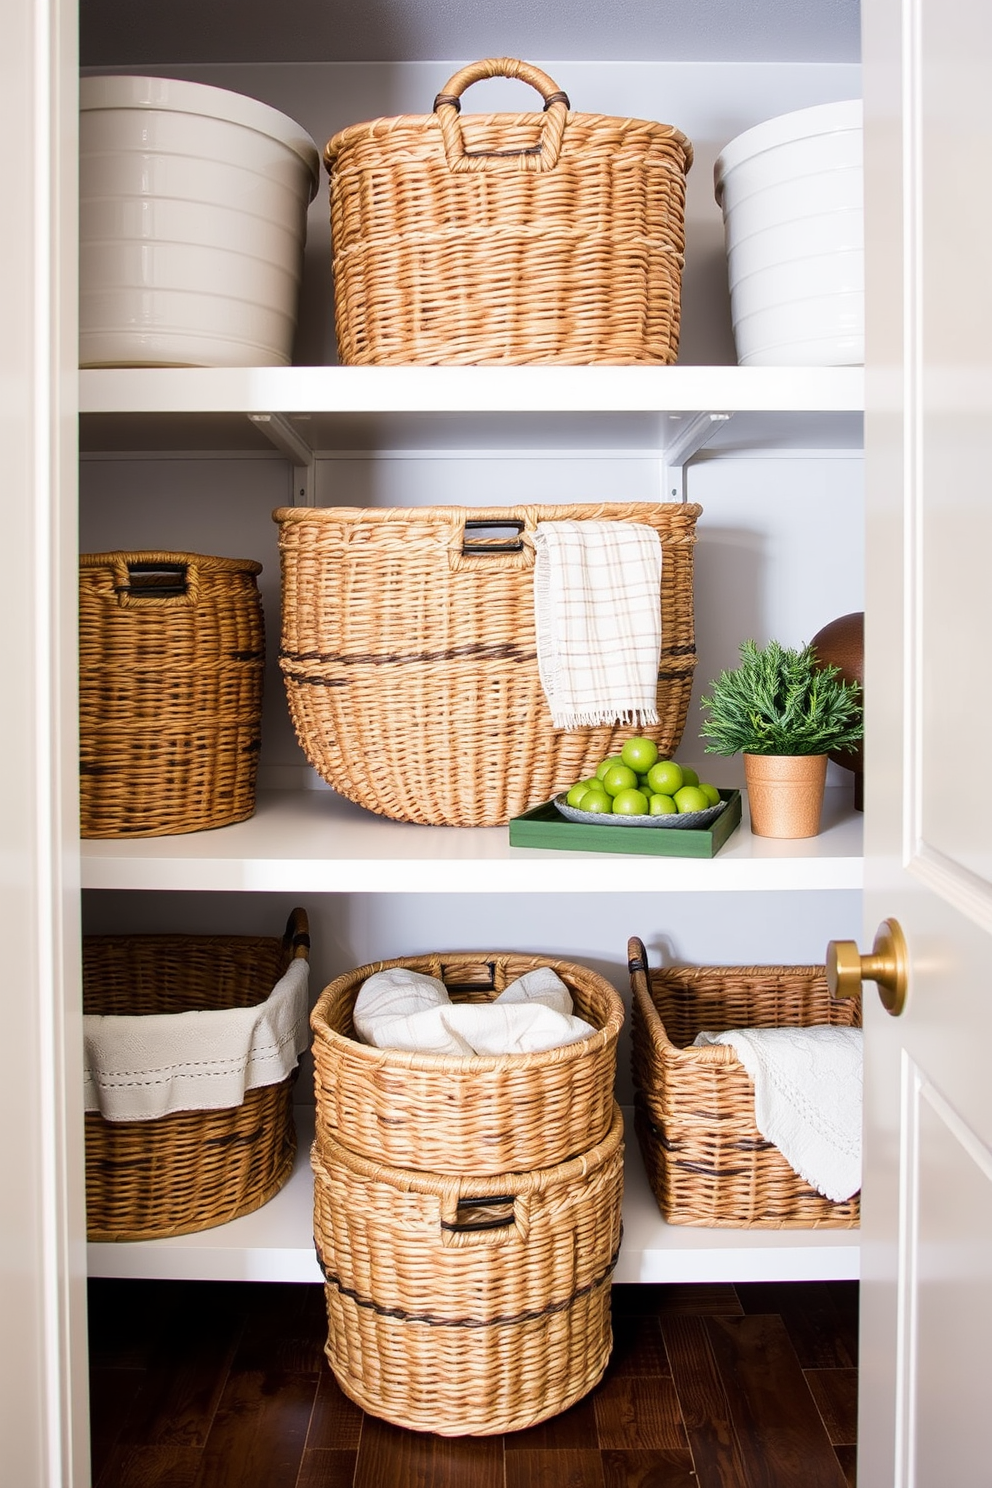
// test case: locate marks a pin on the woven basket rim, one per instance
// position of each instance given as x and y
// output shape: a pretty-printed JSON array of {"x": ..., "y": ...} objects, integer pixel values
[
  {"x": 157, "y": 555},
  {"x": 422, "y": 1181},
  {"x": 473, "y": 1064},
  {"x": 384, "y": 515},
  {"x": 642, "y": 976},
  {"x": 500, "y": 118}
]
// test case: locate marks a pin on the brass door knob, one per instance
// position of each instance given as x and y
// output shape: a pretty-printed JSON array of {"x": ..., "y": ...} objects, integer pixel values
[{"x": 887, "y": 966}]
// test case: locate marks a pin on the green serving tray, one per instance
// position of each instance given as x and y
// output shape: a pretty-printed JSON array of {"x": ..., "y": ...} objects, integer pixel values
[{"x": 544, "y": 826}]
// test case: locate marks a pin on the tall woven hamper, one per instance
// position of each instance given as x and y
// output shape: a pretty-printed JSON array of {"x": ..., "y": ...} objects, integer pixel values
[
  {"x": 507, "y": 237},
  {"x": 410, "y": 660},
  {"x": 171, "y": 657},
  {"x": 706, "y": 1161},
  {"x": 192, "y": 1169},
  {"x": 468, "y": 1306},
  {"x": 473, "y": 1114}
]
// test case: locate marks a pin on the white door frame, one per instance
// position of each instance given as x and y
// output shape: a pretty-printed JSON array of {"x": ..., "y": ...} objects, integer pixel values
[{"x": 43, "y": 1394}]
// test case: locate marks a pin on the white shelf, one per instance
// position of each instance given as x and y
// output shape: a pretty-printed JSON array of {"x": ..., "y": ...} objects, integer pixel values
[
  {"x": 335, "y": 408},
  {"x": 469, "y": 389},
  {"x": 275, "y": 1243},
  {"x": 313, "y": 841}
]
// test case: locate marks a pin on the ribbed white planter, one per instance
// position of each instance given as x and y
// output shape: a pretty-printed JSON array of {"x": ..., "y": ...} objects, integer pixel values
[
  {"x": 791, "y": 191},
  {"x": 193, "y": 205}
]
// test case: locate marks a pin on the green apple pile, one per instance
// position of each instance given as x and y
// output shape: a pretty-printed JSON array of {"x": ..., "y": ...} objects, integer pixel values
[{"x": 636, "y": 782}]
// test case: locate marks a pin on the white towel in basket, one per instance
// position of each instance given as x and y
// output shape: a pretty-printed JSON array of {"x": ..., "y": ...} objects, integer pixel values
[
  {"x": 597, "y": 616},
  {"x": 139, "y": 1068},
  {"x": 807, "y": 1098},
  {"x": 399, "y": 1008}
]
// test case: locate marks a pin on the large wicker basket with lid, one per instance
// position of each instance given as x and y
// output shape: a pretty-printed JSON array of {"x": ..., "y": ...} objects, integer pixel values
[{"x": 509, "y": 237}]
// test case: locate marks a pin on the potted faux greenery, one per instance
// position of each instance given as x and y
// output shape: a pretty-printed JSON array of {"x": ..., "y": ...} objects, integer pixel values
[{"x": 784, "y": 712}]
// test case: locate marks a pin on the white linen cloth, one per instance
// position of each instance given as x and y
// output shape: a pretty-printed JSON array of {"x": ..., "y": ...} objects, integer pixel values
[
  {"x": 807, "y": 1098},
  {"x": 597, "y": 619},
  {"x": 138, "y": 1068},
  {"x": 403, "y": 1009}
]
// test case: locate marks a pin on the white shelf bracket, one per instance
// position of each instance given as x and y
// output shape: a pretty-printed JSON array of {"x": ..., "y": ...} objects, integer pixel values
[
  {"x": 290, "y": 442},
  {"x": 688, "y": 441}
]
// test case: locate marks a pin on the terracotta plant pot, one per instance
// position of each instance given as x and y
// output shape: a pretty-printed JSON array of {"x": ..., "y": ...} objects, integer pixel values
[{"x": 785, "y": 793}]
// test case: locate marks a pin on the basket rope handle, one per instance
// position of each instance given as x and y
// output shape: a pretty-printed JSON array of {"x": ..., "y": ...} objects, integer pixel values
[{"x": 540, "y": 157}]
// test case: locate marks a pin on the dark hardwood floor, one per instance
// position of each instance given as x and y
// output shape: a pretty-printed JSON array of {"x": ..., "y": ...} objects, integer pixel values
[{"x": 197, "y": 1385}]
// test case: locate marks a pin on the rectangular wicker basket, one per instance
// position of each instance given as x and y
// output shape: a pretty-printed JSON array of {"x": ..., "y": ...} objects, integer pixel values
[
  {"x": 190, "y": 1170},
  {"x": 474, "y": 1114},
  {"x": 509, "y": 237},
  {"x": 468, "y": 1306},
  {"x": 706, "y": 1161},
  {"x": 410, "y": 659},
  {"x": 171, "y": 655}
]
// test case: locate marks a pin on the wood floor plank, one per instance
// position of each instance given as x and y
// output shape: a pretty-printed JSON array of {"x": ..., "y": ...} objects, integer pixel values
[
  {"x": 847, "y": 1298},
  {"x": 848, "y": 1459},
  {"x": 557, "y": 1469},
  {"x": 326, "y": 1468},
  {"x": 388, "y": 1455},
  {"x": 637, "y": 1346},
  {"x": 695, "y": 1298},
  {"x": 638, "y": 1412},
  {"x": 669, "y": 1469},
  {"x": 336, "y": 1421},
  {"x": 835, "y": 1393},
  {"x": 811, "y": 1317},
  {"x": 716, "y": 1451},
  {"x": 259, "y": 1431},
  {"x": 151, "y": 1467},
  {"x": 574, "y": 1428},
  {"x": 182, "y": 1385},
  {"x": 112, "y": 1395},
  {"x": 783, "y": 1440}
]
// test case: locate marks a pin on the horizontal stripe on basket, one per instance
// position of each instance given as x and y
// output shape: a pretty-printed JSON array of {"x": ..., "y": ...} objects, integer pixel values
[
  {"x": 531, "y": 1315},
  {"x": 504, "y": 651}
]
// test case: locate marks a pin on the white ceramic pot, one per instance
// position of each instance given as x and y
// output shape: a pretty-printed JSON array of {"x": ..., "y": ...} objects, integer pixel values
[
  {"x": 791, "y": 191},
  {"x": 193, "y": 204}
]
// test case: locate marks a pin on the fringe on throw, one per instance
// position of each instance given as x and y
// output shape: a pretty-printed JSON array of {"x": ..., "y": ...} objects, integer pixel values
[{"x": 576, "y": 718}]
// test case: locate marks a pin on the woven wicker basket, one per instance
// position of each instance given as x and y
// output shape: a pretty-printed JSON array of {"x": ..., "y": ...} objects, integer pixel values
[
  {"x": 171, "y": 656},
  {"x": 507, "y": 238},
  {"x": 410, "y": 661},
  {"x": 694, "y": 1108},
  {"x": 448, "y": 1113},
  {"x": 468, "y": 1307},
  {"x": 194, "y": 1169}
]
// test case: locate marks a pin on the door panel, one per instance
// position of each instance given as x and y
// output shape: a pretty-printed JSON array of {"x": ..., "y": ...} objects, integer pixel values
[{"x": 927, "y": 1210}]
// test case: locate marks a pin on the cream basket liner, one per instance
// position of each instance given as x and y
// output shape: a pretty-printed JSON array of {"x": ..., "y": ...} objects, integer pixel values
[{"x": 139, "y": 1068}]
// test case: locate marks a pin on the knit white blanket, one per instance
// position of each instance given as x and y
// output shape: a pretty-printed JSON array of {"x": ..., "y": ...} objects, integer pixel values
[
  {"x": 597, "y": 615},
  {"x": 403, "y": 1009},
  {"x": 807, "y": 1098},
  {"x": 140, "y": 1067}
]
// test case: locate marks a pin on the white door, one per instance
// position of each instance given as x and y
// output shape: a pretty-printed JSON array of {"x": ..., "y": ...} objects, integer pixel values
[{"x": 927, "y": 1212}]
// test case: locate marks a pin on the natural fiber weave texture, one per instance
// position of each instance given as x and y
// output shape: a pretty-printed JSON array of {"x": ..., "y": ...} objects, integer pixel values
[
  {"x": 447, "y": 1113},
  {"x": 171, "y": 654},
  {"x": 410, "y": 659},
  {"x": 468, "y": 1306},
  {"x": 694, "y": 1107},
  {"x": 507, "y": 238},
  {"x": 194, "y": 1169}
]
